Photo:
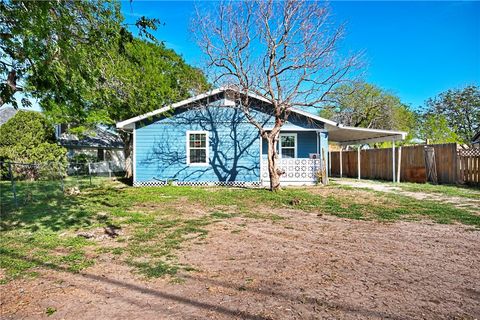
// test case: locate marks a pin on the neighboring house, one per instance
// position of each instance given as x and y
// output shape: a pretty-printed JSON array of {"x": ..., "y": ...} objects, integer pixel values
[
  {"x": 100, "y": 145},
  {"x": 207, "y": 140},
  {"x": 476, "y": 139},
  {"x": 6, "y": 114}
]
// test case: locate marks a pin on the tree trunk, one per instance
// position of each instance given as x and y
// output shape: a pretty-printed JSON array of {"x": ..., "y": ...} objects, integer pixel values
[
  {"x": 273, "y": 171},
  {"x": 128, "y": 143}
]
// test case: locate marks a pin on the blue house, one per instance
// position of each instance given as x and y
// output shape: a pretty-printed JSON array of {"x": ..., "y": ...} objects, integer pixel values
[{"x": 207, "y": 140}]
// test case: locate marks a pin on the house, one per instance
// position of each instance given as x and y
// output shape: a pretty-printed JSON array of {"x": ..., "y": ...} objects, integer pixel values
[
  {"x": 100, "y": 144},
  {"x": 6, "y": 114},
  {"x": 207, "y": 140}
]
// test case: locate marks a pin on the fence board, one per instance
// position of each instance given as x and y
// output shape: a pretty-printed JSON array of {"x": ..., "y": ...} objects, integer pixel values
[
  {"x": 469, "y": 166},
  {"x": 451, "y": 166}
]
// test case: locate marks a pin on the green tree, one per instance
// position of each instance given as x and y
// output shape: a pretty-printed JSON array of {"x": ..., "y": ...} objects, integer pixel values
[
  {"x": 84, "y": 66},
  {"x": 47, "y": 47},
  {"x": 461, "y": 110},
  {"x": 145, "y": 77},
  {"x": 368, "y": 106},
  {"x": 29, "y": 137},
  {"x": 435, "y": 128}
]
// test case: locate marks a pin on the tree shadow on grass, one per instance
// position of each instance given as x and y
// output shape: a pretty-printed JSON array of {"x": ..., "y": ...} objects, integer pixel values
[
  {"x": 56, "y": 214},
  {"x": 49, "y": 208}
]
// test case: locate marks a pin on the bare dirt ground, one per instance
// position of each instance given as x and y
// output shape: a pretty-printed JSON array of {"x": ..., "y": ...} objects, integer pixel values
[
  {"x": 303, "y": 267},
  {"x": 472, "y": 205}
]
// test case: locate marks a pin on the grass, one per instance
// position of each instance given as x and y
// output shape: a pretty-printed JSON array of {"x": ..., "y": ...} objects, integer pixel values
[
  {"x": 50, "y": 311},
  {"x": 156, "y": 222}
]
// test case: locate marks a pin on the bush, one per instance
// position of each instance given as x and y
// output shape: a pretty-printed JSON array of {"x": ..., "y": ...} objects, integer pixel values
[{"x": 29, "y": 137}]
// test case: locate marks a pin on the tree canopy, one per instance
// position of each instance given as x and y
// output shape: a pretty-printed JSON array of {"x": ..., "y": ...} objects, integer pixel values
[
  {"x": 46, "y": 46},
  {"x": 84, "y": 66},
  {"x": 435, "y": 128},
  {"x": 145, "y": 77},
  {"x": 81, "y": 62},
  {"x": 368, "y": 106},
  {"x": 457, "y": 111}
]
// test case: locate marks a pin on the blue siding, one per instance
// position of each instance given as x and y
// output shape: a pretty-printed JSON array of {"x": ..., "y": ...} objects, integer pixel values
[
  {"x": 233, "y": 146},
  {"x": 306, "y": 143},
  {"x": 234, "y": 155}
]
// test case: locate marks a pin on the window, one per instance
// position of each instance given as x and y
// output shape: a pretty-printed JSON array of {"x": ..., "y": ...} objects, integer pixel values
[
  {"x": 197, "y": 147},
  {"x": 288, "y": 145},
  {"x": 100, "y": 155}
]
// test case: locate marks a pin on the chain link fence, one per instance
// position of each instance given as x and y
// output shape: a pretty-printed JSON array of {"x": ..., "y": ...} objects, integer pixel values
[{"x": 25, "y": 183}]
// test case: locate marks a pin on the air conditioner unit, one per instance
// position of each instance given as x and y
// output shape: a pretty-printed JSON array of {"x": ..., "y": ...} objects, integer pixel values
[{"x": 314, "y": 156}]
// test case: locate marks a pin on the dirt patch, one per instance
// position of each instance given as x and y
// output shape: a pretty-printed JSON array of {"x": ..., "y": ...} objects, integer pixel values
[{"x": 303, "y": 267}]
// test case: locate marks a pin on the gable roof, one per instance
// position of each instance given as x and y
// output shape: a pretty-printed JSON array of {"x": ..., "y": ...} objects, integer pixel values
[
  {"x": 127, "y": 124},
  {"x": 337, "y": 132},
  {"x": 476, "y": 137},
  {"x": 99, "y": 138},
  {"x": 6, "y": 114}
]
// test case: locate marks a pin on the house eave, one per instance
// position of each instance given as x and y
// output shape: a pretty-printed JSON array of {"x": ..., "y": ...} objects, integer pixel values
[{"x": 339, "y": 133}]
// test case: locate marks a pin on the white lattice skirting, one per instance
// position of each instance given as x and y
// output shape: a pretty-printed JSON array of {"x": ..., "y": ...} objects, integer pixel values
[
  {"x": 241, "y": 184},
  {"x": 296, "y": 169}
]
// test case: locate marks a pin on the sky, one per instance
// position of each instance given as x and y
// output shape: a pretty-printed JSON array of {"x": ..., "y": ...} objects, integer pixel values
[{"x": 412, "y": 49}]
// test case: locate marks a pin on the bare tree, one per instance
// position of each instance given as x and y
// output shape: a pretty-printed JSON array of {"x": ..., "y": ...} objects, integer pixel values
[{"x": 282, "y": 51}]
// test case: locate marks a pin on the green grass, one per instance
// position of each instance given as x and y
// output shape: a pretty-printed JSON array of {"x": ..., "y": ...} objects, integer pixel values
[
  {"x": 156, "y": 222},
  {"x": 50, "y": 311}
]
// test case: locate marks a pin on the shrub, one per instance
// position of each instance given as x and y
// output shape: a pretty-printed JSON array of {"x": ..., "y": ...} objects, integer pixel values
[{"x": 29, "y": 137}]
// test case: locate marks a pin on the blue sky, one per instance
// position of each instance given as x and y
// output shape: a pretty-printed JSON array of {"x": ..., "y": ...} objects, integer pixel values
[{"x": 413, "y": 49}]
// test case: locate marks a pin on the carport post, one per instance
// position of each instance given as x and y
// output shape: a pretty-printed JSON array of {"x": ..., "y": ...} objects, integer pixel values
[
  {"x": 341, "y": 162},
  {"x": 358, "y": 162},
  {"x": 329, "y": 162},
  {"x": 399, "y": 163},
  {"x": 393, "y": 161}
]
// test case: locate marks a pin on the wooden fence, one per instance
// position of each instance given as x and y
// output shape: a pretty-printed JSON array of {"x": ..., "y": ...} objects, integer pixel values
[
  {"x": 452, "y": 165},
  {"x": 469, "y": 165}
]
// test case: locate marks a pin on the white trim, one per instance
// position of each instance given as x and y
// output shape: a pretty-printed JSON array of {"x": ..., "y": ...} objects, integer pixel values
[
  {"x": 329, "y": 162},
  {"x": 134, "y": 152},
  {"x": 297, "y": 129},
  {"x": 332, "y": 125},
  {"x": 371, "y": 140},
  {"x": 261, "y": 155},
  {"x": 359, "y": 165},
  {"x": 280, "y": 143},
  {"x": 124, "y": 124},
  {"x": 399, "y": 163},
  {"x": 393, "y": 161},
  {"x": 207, "y": 147},
  {"x": 315, "y": 117},
  {"x": 341, "y": 162}
]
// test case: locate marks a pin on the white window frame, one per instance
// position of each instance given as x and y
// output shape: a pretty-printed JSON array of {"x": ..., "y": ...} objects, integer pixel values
[
  {"x": 207, "y": 147},
  {"x": 280, "y": 143}
]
